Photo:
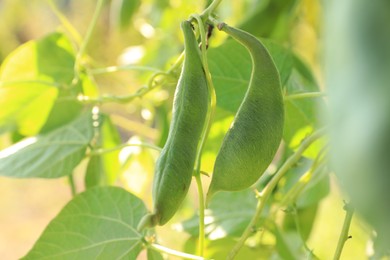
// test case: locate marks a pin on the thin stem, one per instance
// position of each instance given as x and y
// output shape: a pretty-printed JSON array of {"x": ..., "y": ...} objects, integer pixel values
[
  {"x": 163, "y": 249},
  {"x": 65, "y": 22},
  {"x": 152, "y": 84},
  {"x": 112, "y": 69},
  {"x": 72, "y": 185},
  {"x": 205, "y": 132},
  {"x": 87, "y": 38},
  {"x": 119, "y": 147},
  {"x": 210, "y": 9},
  {"x": 344, "y": 236},
  {"x": 267, "y": 191},
  {"x": 201, "y": 215},
  {"x": 305, "y": 95},
  {"x": 177, "y": 63}
]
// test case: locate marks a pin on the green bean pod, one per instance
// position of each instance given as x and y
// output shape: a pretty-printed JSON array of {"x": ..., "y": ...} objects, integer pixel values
[
  {"x": 255, "y": 134},
  {"x": 175, "y": 166}
]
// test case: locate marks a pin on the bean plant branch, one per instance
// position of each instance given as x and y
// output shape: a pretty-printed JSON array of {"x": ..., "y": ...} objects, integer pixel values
[
  {"x": 201, "y": 239},
  {"x": 210, "y": 9},
  {"x": 206, "y": 130},
  {"x": 169, "y": 251},
  {"x": 344, "y": 236},
  {"x": 65, "y": 22},
  {"x": 87, "y": 37},
  {"x": 267, "y": 191},
  {"x": 154, "y": 82}
]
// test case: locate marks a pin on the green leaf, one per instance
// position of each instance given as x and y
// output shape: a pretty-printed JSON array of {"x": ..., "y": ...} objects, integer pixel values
[
  {"x": 275, "y": 18},
  {"x": 228, "y": 214},
  {"x": 97, "y": 224},
  {"x": 231, "y": 66},
  {"x": 65, "y": 109},
  {"x": 51, "y": 155},
  {"x": 31, "y": 79},
  {"x": 123, "y": 10}
]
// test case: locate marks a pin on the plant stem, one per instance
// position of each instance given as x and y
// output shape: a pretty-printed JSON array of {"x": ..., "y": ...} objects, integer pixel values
[
  {"x": 344, "y": 231},
  {"x": 72, "y": 185},
  {"x": 87, "y": 38},
  {"x": 267, "y": 191},
  {"x": 201, "y": 215},
  {"x": 65, "y": 22},
  {"x": 305, "y": 95},
  {"x": 119, "y": 147},
  {"x": 210, "y": 9},
  {"x": 205, "y": 132},
  {"x": 163, "y": 249},
  {"x": 152, "y": 84}
]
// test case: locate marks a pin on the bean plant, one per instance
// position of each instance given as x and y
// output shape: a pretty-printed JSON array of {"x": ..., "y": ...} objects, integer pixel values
[{"x": 240, "y": 132}]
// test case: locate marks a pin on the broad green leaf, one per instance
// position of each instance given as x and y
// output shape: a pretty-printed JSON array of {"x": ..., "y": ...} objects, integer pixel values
[
  {"x": 123, "y": 10},
  {"x": 104, "y": 168},
  {"x": 231, "y": 66},
  {"x": 227, "y": 215},
  {"x": 31, "y": 79},
  {"x": 271, "y": 19},
  {"x": 65, "y": 108},
  {"x": 100, "y": 223},
  {"x": 50, "y": 155}
]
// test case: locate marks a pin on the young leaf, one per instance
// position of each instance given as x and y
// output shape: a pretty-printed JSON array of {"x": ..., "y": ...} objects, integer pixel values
[
  {"x": 51, "y": 155},
  {"x": 97, "y": 224},
  {"x": 31, "y": 79}
]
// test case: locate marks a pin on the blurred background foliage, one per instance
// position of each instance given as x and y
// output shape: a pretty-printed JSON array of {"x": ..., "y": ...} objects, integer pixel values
[{"x": 146, "y": 34}]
